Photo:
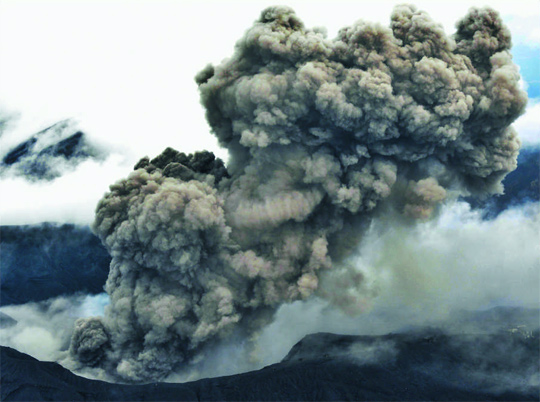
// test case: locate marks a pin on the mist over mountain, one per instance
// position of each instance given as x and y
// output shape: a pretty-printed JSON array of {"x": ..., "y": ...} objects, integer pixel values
[
  {"x": 425, "y": 364},
  {"x": 49, "y": 153}
]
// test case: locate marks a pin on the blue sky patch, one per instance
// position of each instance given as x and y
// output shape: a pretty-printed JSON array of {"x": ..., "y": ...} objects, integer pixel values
[{"x": 528, "y": 60}]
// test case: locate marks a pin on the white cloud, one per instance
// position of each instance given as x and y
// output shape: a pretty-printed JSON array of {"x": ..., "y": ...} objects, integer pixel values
[
  {"x": 43, "y": 330},
  {"x": 528, "y": 125},
  {"x": 460, "y": 261},
  {"x": 124, "y": 70},
  {"x": 71, "y": 198}
]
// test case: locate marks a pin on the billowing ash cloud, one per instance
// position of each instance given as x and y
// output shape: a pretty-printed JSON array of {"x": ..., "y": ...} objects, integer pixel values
[{"x": 320, "y": 134}]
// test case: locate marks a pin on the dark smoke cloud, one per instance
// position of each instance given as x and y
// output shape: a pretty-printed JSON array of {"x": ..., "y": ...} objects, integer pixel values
[{"x": 320, "y": 132}]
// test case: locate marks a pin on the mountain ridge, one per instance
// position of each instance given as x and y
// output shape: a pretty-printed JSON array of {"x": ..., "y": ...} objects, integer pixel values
[{"x": 421, "y": 365}]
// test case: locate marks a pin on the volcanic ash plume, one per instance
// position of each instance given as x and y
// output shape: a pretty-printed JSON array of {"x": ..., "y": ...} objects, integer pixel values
[{"x": 320, "y": 133}]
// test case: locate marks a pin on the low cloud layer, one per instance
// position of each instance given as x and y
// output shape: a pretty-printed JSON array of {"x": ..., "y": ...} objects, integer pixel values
[
  {"x": 70, "y": 198},
  {"x": 43, "y": 330}
]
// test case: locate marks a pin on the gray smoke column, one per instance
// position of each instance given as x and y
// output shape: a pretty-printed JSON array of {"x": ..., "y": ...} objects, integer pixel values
[{"x": 321, "y": 133}]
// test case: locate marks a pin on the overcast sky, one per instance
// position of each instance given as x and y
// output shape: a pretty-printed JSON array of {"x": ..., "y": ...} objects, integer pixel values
[{"x": 124, "y": 70}]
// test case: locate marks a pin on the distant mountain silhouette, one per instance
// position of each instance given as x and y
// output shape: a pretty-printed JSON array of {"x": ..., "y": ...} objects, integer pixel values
[
  {"x": 417, "y": 365},
  {"x": 49, "y": 153},
  {"x": 43, "y": 261}
]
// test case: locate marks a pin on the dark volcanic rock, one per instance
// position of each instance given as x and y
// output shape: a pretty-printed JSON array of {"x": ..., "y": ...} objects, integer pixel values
[
  {"x": 19, "y": 152},
  {"x": 414, "y": 366},
  {"x": 48, "y": 154},
  {"x": 27, "y": 379},
  {"x": 43, "y": 261}
]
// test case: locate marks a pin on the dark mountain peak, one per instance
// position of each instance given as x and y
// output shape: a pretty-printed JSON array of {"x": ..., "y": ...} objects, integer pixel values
[
  {"x": 20, "y": 151},
  {"x": 47, "y": 154}
]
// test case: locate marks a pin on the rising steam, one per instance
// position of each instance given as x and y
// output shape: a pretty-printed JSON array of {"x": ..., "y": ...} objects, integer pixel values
[{"x": 320, "y": 133}]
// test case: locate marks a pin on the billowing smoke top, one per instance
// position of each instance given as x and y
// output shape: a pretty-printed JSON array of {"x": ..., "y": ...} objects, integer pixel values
[
  {"x": 185, "y": 167},
  {"x": 319, "y": 132}
]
